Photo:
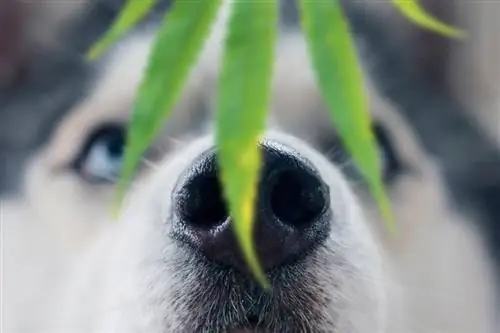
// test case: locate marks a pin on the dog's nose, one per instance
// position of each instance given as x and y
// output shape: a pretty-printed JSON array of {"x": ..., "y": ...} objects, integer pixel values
[{"x": 292, "y": 213}]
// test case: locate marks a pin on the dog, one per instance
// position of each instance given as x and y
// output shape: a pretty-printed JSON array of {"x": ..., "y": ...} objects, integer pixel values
[{"x": 171, "y": 263}]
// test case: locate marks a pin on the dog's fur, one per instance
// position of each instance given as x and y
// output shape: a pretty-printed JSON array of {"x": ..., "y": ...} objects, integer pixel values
[
  {"x": 68, "y": 268},
  {"x": 420, "y": 73},
  {"x": 468, "y": 68},
  {"x": 474, "y": 69},
  {"x": 30, "y": 28}
]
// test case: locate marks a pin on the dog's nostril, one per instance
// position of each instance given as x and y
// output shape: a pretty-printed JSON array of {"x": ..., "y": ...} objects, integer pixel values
[
  {"x": 292, "y": 212},
  {"x": 202, "y": 204},
  {"x": 296, "y": 197}
]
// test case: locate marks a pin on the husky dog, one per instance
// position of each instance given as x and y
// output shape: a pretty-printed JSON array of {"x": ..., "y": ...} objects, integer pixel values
[{"x": 171, "y": 263}]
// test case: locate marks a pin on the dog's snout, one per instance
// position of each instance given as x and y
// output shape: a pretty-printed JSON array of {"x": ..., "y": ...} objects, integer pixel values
[{"x": 292, "y": 211}]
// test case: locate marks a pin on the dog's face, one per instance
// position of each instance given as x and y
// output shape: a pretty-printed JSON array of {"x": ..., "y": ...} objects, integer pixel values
[{"x": 171, "y": 264}]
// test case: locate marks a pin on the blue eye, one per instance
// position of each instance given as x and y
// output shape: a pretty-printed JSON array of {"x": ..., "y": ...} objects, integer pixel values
[{"x": 101, "y": 158}]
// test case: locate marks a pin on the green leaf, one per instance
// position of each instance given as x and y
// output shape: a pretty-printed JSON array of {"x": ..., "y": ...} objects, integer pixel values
[
  {"x": 333, "y": 56},
  {"x": 134, "y": 11},
  {"x": 413, "y": 11},
  {"x": 175, "y": 51},
  {"x": 243, "y": 101}
]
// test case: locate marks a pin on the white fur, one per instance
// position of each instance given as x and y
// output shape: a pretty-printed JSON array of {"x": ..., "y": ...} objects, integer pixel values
[{"x": 68, "y": 268}]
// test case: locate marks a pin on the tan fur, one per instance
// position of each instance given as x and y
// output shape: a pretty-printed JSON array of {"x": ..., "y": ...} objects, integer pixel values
[{"x": 432, "y": 277}]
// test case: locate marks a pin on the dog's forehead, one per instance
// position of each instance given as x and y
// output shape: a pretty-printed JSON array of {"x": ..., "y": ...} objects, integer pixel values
[
  {"x": 295, "y": 87},
  {"x": 298, "y": 106}
]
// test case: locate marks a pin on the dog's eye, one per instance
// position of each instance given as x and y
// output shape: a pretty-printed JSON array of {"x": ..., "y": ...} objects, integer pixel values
[
  {"x": 390, "y": 163},
  {"x": 101, "y": 157}
]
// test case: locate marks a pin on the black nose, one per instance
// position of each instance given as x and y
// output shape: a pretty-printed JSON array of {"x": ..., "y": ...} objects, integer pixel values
[{"x": 292, "y": 210}]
